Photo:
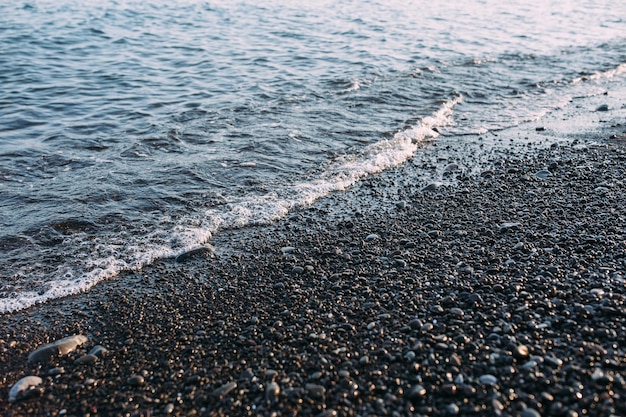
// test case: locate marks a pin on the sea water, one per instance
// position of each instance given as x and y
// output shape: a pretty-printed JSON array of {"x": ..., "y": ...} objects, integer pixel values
[{"x": 136, "y": 130}]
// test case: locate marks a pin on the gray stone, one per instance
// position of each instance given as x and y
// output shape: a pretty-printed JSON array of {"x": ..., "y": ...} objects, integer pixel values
[
  {"x": 59, "y": 348},
  {"x": 22, "y": 385},
  {"x": 488, "y": 379}
]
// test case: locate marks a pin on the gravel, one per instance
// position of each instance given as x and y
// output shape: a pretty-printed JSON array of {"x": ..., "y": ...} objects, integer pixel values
[{"x": 516, "y": 306}]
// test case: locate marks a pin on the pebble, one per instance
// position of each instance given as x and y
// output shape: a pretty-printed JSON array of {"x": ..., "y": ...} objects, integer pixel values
[
  {"x": 416, "y": 392},
  {"x": 543, "y": 174},
  {"x": 135, "y": 381},
  {"x": 488, "y": 379},
  {"x": 433, "y": 186},
  {"x": 521, "y": 352},
  {"x": 315, "y": 391},
  {"x": 22, "y": 385},
  {"x": 225, "y": 389},
  {"x": 58, "y": 348},
  {"x": 287, "y": 249},
  {"x": 509, "y": 226},
  {"x": 371, "y": 237},
  {"x": 56, "y": 371},
  {"x": 86, "y": 360},
  {"x": 169, "y": 409},
  {"x": 272, "y": 391},
  {"x": 99, "y": 351},
  {"x": 452, "y": 409},
  {"x": 602, "y": 107}
]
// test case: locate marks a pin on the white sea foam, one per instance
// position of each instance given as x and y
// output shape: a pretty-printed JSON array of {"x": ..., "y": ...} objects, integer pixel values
[
  {"x": 253, "y": 210},
  {"x": 600, "y": 75}
]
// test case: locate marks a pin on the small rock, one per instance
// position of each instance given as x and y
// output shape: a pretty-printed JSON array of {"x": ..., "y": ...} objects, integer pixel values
[
  {"x": 225, "y": 389},
  {"x": 433, "y": 186},
  {"x": 99, "y": 351},
  {"x": 136, "y": 381},
  {"x": 86, "y": 360},
  {"x": 543, "y": 174},
  {"x": 416, "y": 392},
  {"x": 540, "y": 128},
  {"x": 521, "y": 352},
  {"x": 56, "y": 371},
  {"x": 452, "y": 409},
  {"x": 287, "y": 249},
  {"x": 371, "y": 237},
  {"x": 272, "y": 391},
  {"x": 169, "y": 409},
  {"x": 22, "y": 385},
  {"x": 315, "y": 391},
  {"x": 488, "y": 379},
  {"x": 603, "y": 107},
  {"x": 58, "y": 348},
  {"x": 504, "y": 227}
]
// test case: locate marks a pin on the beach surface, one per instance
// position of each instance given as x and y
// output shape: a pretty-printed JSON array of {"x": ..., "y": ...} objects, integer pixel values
[{"x": 492, "y": 291}]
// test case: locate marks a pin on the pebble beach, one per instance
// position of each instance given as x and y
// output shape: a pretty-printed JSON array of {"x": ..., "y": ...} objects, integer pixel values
[{"x": 498, "y": 292}]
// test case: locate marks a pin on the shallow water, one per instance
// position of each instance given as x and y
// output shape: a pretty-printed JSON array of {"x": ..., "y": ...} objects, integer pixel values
[{"x": 136, "y": 130}]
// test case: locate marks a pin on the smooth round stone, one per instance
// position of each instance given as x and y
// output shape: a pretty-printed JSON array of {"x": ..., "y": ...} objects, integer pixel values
[
  {"x": 56, "y": 371},
  {"x": 169, "y": 409},
  {"x": 488, "y": 379},
  {"x": 99, "y": 351},
  {"x": 315, "y": 391},
  {"x": 371, "y": 237},
  {"x": 136, "y": 381},
  {"x": 521, "y": 352},
  {"x": 415, "y": 324},
  {"x": 272, "y": 391},
  {"x": 297, "y": 270},
  {"x": 603, "y": 107},
  {"x": 457, "y": 312},
  {"x": 543, "y": 174},
  {"x": 22, "y": 385},
  {"x": 416, "y": 392},
  {"x": 287, "y": 249},
  {"x": 86, "y": 360},
  {"x": 433, "y": 186},
  {"x": 452, "y": 409}
]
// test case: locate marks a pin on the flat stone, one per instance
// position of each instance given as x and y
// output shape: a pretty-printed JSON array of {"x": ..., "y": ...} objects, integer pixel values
[
  {"x": 22, "y": 385},
  {"x": 58, "y": 348}
]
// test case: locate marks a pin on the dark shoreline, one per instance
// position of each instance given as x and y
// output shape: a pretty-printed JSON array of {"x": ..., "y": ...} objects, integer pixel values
[{"x": 501, "y": 295}]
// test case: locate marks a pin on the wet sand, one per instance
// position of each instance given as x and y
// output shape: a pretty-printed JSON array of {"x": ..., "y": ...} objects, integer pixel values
[{"x": 496, "y": 292}]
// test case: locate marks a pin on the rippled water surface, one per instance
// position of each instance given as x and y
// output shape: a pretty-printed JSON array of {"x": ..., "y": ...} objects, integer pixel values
[{"x": 133, "y": 130}]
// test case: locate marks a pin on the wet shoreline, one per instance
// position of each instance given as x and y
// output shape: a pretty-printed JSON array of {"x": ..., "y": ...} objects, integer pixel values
[{"x": 498, "y": 293}]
